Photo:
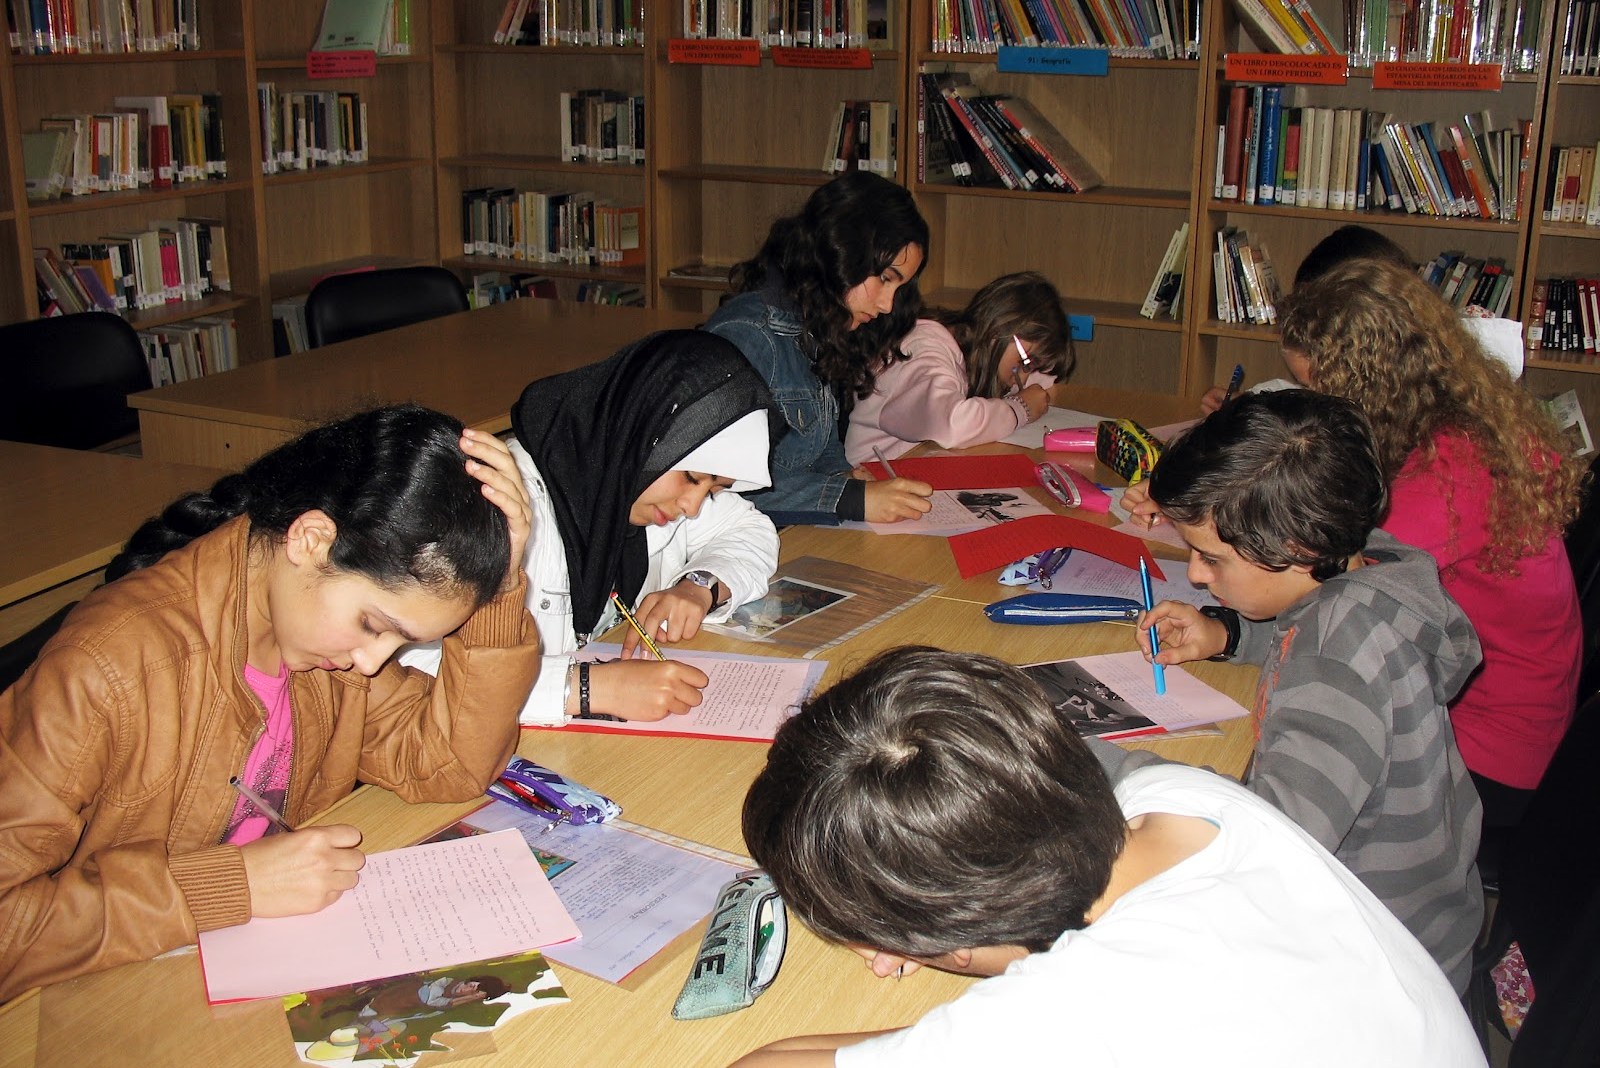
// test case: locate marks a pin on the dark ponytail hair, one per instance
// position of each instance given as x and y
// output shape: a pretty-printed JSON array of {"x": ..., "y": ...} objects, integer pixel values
[
  {"x": 849, "y": 230},
  {"x": 393, "y": 480}
]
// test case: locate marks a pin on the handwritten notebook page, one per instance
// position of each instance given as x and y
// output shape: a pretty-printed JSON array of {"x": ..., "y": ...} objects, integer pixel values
[{"x": 427, "y": 906}]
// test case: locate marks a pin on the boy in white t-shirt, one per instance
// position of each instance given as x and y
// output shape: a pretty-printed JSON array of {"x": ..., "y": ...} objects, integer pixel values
[{"x": 932, "y": 809}]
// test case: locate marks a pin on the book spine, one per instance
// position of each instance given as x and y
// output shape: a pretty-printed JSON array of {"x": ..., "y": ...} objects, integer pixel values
[{"x": 1271, "y": 117}]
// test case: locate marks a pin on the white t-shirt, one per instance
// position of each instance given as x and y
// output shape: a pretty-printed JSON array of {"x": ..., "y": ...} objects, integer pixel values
[{"x": 1261, "y": 949}]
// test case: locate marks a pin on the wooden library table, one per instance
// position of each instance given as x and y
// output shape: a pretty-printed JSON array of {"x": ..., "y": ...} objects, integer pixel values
[
  {"x": 65, "y": 514},
  {"x": 472, "y": 365}
]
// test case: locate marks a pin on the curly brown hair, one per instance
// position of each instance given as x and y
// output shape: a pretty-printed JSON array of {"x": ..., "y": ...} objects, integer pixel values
[{"x": 1378, "y": 335}]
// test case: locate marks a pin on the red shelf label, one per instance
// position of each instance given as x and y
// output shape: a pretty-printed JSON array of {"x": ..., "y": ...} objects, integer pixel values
[
  {"x": 823, "y": 58},
  {"x": 341, "y": 64},
  {"x": 703, "y": 52},
  {"x": 1465, "y": 77},
  {"x": 1296, "y": 70}
]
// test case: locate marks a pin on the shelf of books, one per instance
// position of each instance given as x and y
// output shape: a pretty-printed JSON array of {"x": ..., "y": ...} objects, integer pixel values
[
  {"x": 1404, "y": 119},
  {"x": 1065, "y": 144},
  {"x": 549, "y": 197},
  {"x": 753, "y": 106}
]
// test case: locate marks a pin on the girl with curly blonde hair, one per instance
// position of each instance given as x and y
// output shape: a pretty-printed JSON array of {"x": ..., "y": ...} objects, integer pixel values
[{"x": 1479, "y": 480}]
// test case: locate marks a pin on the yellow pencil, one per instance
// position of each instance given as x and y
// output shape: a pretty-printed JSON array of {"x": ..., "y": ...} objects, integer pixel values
[{"x": 634, "y": 623}]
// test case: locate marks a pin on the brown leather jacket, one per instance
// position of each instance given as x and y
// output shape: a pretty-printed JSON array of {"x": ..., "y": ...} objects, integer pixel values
[{"x": 117, "y": 745}]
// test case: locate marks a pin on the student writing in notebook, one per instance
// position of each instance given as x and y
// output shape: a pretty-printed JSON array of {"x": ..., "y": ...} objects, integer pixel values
[
  {"x": 933, "y": 810},
  {"x": 1278, "y": 496},
  {"x": 968, "y": 377},
  {"x": 250, "y": 634},
  {"x": 818, "y": 312},
  {"x": 635, "y": 467}
]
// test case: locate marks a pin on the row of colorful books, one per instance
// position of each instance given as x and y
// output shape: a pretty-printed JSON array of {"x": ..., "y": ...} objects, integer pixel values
[
  {"x": 534, "y": 226},
  {"x": 305, "y": 129},
  {"x": 1572, "y": 193},
  {"x": 1350, "y": 159},
  {"x": 1580, "y": 44},
  {"x": 968, "y": 137},
  {"x": 143, "y": 142},
  {"x": 602, "y": 126},
  {"x": 65, "y": 27},
  {"x": 1165, "y": 295},
  {"x": 193, "y": 348},
  {"x": 1247, "y": 285},
  {"x": 1287, "y": 26},
  {"x": 1471, "y": 283},
  {"x": 170, "y": 262},
  {"x": 1443, "y": 31},
  {"x": 1159, "y": 29},
  {"x": 593, "y": 23},
  {"x": 1564, "y": 320},
  {"x": 792, "y": 23},
  {"x": 862, "y": 138}
]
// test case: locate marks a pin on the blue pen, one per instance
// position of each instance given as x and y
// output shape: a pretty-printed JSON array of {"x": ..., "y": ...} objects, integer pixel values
[
  {"x": 1155, "y": 642},
  {"x": 1234, "y": 382}
]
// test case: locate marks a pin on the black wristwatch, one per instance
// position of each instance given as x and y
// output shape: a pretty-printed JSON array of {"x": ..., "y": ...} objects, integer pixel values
[
  {"x": 706, "y": 580},
  {"x": 1230, "y": 619}
]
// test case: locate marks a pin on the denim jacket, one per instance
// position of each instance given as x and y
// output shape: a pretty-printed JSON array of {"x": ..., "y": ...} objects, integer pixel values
[{"x": 809, "y": 471}]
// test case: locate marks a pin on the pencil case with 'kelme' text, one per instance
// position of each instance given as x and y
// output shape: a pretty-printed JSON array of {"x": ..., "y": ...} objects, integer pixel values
[{"x": 741, "y": 952}]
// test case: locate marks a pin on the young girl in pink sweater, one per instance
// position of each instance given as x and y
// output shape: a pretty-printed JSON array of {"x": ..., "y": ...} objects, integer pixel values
[{"x": 968, "y": 377}]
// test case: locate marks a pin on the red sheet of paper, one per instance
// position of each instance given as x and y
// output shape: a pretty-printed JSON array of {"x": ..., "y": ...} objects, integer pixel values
[
  {"x": 996, "y": 546},
  {"x": 1002, "y": 471}
]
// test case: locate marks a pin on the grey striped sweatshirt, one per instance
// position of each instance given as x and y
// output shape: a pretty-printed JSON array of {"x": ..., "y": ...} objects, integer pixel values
[{"x": 1355, "y": 743}]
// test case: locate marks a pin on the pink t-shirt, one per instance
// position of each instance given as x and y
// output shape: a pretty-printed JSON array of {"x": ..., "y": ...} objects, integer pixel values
[
  {"x": 1513, "y": 713},
  {"x": 924, "y": 398},
  {"x": 266, "y": 767}
]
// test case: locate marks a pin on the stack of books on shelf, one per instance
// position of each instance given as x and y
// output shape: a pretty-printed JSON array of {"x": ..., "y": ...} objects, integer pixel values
[
  {"x": 1564, "y": 319},
  {"x": 1443, "y": 31},
  {"x": 181, "y": 351},
  {"x": 304, "y": 129},
  {"x": 1572, "y": 193},
  {"x": 1290, "y": 27},
  {"x": 171, "y": 262},
  {"x": 1580, "y": 45},
  {"x": 594, "y": 23},
  {"x": 615, "y": 294},
  {"x": 793, "y": 23},
  {"x": 379, "y": 26},
  {"x": 1165, "y": 294},
  {"x": 967, "y": 137},
  {"x": 65, "y": 27},
  {"x": 1148, "y": 29},
  {"x": 289, "y": 333},
  {"x": 497, "y": 287},
  {"x": 862, "y": 138},
  {"x": 602, "y": 126},
  {"x": 1247, "y": 285},
  {"x": 1470, "y": 284},
  {"x": 142, "y": 142},
  {"x": 577, "y": 229},
  {"x": 1272, "y": 151}
]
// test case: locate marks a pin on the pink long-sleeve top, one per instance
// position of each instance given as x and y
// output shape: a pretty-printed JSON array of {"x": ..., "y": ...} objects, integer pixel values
[
  {"x": 924, "y": 398},
  {"x": 1512, "y": 714}
]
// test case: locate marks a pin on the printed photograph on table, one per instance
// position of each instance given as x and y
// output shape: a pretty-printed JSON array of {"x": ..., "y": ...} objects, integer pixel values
[
  {"x": 397, "y": 1021},
  {"x": 787, "y": 601},
  {"x": 1092, "y": 706},
  {"x": 998, "y": 506},
  {"x": 551, "y": 864}
]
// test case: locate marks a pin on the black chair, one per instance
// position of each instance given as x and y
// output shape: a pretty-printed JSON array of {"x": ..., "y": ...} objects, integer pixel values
[
  {"x": 1583, "y": 549},
  {"x": 1550, "y": 904},
  {"x": 17, "y": 654},
  {"x": 68, "y": 380},
  {"x": 344, "y": 306}
]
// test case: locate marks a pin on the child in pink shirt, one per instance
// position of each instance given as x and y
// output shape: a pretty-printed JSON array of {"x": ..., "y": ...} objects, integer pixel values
[{"x": 968, "y": 377}]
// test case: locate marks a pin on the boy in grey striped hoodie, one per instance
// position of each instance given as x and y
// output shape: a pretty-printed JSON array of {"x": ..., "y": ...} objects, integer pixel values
[{"x": 1278, "y": 496}]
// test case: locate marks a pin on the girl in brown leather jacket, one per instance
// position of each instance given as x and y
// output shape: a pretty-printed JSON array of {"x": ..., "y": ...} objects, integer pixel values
[{"x": 248, "y": 632}]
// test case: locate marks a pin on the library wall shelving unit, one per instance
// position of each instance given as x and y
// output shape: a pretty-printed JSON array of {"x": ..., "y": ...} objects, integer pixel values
[
  {"x": 497, "y": 124},
  {"x": 34, "y": 87},
  {"x": 1572, "y": 117}
]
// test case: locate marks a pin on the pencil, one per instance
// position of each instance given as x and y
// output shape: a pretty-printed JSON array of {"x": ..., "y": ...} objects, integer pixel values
[
  {"x": 261, "y": 804},
  {"x": 634, "y": 623},
  {"x": 1159, "y": 670},
  {"x": 884, "y": 460}
]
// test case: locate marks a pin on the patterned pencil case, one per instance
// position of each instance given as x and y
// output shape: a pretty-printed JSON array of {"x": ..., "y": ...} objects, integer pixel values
[
  {"x": 1127, "y": 448},
  {"x": 741, "y": 952},
  {"x": 537, "y": 789}
]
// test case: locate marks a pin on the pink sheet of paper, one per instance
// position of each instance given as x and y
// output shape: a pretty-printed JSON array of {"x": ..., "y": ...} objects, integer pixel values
[
  {"x": 426, "y": 906},
  {"x": 996, "y": 546},
  {"x": 1001, "y": 471}
]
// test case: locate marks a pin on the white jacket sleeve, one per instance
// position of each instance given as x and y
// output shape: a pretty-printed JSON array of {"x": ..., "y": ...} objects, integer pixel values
[{"x": 729, "y": 538}]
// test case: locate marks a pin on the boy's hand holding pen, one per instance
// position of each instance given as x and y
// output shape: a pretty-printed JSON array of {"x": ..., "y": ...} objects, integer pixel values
[{"x": 1183, "y": 634}]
